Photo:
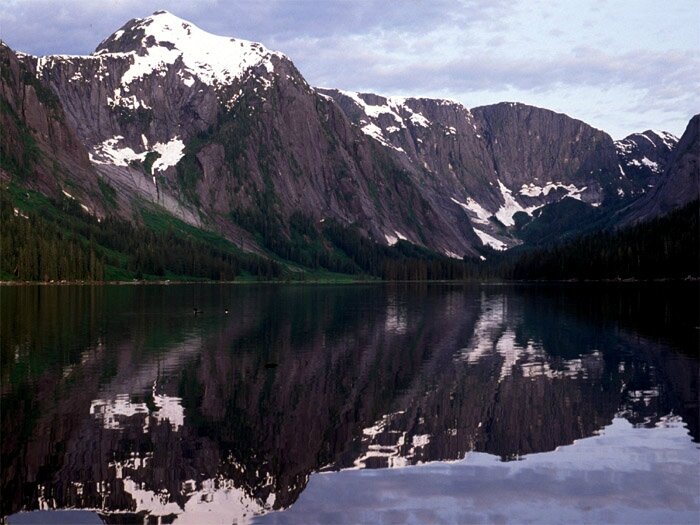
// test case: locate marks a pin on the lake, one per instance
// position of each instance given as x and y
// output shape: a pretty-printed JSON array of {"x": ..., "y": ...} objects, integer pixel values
[{"x": 405, "y": 403}]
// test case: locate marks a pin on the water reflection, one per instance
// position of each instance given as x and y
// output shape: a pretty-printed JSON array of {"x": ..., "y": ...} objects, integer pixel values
[{"x": 120, "y": 399}]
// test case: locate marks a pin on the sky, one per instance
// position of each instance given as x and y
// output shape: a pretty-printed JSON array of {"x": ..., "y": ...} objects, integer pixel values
[{"x": 621, "y": 65}]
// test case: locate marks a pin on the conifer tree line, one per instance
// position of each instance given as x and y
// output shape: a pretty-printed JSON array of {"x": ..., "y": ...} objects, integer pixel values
[
  {"x": 666, "y": 247},
  {"x": 69, "y": 244},
  {"x": 31, "y": 250}
]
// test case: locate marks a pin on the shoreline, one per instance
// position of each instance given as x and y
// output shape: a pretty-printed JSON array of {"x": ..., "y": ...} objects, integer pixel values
[{"x": 167, "y": 282}]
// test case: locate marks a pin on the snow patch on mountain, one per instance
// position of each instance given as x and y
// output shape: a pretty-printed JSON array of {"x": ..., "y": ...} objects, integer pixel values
[
  {"x": 371, "y": 110},
  {"x": 395, "y": 107},
  {"x": 418, "y": 119},
  {"x": 476, "y": 212},
  {"x": 488, "y": 240},
  {"x": 510, "y": 206},
  {"x": 653, "y": 166},
  {"x": 214, "y": 60},
  {"x": 111, "y": 152},
  {"x": 375, "y": 132},
  {"x": 393, "y": 239},
  {"x": 126, "y": 101},
  {"x": 533, "y": 190},
  {"x": 669, "y": 140},
  {"x": 170, "y": 154}
]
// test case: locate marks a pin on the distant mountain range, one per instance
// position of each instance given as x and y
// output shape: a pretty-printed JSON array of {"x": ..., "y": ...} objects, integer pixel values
[{"x": 228, "y": 136}]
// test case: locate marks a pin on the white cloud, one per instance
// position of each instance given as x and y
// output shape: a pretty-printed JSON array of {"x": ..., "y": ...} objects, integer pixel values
[{"x": 636, "y": 63}]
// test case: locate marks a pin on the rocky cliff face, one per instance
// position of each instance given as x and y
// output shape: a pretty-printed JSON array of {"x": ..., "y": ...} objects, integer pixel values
[
  {"x": 39, "y": 148},
  {"x": 226, "y": 138},
  {"x": 496, "y": 161},
  {"x": 643, "y": 158},
  {"x": 228, "y": 135},
  {"x": 545, "y": 155},
  {"x": 677, "y": 185}
]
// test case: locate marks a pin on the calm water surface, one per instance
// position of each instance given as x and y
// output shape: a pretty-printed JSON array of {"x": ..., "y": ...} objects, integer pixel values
[{"x": 363, "y": 403}]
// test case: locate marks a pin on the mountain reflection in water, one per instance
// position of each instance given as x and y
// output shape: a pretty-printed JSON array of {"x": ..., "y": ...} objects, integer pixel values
[{"x": 119, "y": 399}]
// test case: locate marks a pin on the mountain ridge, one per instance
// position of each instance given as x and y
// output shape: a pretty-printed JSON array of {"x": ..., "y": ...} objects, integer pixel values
[{"x": 240, "y": 147}]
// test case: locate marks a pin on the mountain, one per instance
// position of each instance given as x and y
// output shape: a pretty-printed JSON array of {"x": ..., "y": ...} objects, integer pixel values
[
  {"x": 226, "y": 135},
  {"x": 39, "y": 149},
  {"x": 679, "y": 184},
  {"x": 494, "y": 161},
  {"x": 643, "y": 157},
  {"x": 236, "y": 148}
]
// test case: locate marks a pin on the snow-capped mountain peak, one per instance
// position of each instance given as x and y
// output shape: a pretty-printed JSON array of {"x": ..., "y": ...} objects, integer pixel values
[{"x": 159, "y": 40}]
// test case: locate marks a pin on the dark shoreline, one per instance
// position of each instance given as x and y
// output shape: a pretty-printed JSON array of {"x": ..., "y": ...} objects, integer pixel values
[{"x": 167, "y": 282}]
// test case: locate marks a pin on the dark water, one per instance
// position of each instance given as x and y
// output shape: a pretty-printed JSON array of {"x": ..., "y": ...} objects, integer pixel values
[{"x": 526, "y": 403}]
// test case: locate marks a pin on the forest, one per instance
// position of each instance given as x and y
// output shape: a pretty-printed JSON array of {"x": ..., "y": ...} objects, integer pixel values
[
  {"x": 47, "y": 240},
  {"x": 55, "y": 240}
]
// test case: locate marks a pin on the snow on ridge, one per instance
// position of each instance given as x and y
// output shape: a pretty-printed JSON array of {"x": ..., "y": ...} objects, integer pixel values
[
  {"x": 624, "y": 146},
  {"x": 647, "y": 138},
  {"x": 212, "y": 58},
  {"x": 669, "y": 139},
  {"x": 627, "y": 145},
  {"x": 393, "y": 107},
  {"x": 43, "y": 61},
  {"x": 402, "y": 113}
]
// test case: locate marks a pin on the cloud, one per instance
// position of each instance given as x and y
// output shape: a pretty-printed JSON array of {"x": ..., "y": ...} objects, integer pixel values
[
  {"x": 76, "y": 26},
  {"x": 530, "y": 50}
]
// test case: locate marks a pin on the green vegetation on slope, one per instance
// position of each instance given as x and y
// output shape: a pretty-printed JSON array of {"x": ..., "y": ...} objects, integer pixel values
[
  {"x": 18, "y": 155},
  {"x": 44, "y": 239},
  {"x": 48, "y": 240},
  {"x": 666, "y": 247}
]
